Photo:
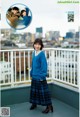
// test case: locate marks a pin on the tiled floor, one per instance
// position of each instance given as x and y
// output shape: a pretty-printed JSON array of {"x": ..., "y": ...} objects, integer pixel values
[{"x": 60, "y": 110}]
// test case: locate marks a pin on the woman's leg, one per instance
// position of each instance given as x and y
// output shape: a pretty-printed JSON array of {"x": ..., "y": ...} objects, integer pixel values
[
  {"x": 33, "y": 106},
  {"x": 48, "y": 109}
]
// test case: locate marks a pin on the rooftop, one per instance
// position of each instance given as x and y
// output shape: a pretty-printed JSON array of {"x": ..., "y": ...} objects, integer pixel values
[
  {"x": 60, "y": 110},
  {"x": 63, "y": 80}
]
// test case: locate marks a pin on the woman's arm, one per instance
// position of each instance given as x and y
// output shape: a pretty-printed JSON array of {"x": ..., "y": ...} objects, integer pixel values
[
  {"x": 32, "y": 65},
  {"x": 43, "y": 70}
]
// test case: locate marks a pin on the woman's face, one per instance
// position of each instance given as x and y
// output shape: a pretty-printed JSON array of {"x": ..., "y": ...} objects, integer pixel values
[
  {"x": 24, "y": 13},
  {"x": 37, "y": 46},
  {"x": 14, "y": 11}
]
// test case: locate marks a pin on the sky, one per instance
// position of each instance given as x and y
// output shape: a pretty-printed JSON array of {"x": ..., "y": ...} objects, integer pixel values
[{"x": 45, "y": 13}]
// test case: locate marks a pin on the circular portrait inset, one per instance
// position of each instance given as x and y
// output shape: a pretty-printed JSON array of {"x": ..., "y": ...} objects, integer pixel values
[{"x": 19, "y": 16}]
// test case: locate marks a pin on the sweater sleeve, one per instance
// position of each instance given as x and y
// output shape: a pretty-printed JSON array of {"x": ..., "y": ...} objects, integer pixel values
[
  {"x": 43, "y": 71},
  {"x": 31, "y": 72},
  {"x": 31, "y": 65}
]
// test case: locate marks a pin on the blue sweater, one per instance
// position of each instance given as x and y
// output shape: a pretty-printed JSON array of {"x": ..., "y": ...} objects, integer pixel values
[
  {"x": 26, "y": 20},
  {"x": 39, "y": 66}
]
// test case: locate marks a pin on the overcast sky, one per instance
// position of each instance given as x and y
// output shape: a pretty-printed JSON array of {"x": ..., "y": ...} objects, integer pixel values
[{"x": 46, "y": 13}]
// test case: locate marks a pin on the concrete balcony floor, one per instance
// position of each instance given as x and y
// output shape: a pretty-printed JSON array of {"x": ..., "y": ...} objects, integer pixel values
[{"x": 60, "y": 110}]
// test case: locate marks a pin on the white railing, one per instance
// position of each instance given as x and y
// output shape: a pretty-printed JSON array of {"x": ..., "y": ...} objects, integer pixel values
[{"x": 63, "y": 66}]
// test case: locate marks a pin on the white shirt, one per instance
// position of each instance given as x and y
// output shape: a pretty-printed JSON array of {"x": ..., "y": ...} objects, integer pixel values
[{"x": 37, "y": 52}]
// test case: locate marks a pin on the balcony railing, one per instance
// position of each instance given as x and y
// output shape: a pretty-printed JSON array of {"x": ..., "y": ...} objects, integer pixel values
[{"x": 63, "y": 66}]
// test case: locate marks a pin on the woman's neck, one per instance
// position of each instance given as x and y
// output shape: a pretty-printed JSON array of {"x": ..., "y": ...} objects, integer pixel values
[{"x": 37, "y": 52}]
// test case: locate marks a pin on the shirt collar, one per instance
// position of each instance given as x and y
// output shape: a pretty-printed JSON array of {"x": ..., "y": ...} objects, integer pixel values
[{"x": 37, "y": 52}]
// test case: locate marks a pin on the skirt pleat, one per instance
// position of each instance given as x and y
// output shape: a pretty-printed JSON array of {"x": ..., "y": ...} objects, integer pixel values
[{"x": 40, "y": 93}]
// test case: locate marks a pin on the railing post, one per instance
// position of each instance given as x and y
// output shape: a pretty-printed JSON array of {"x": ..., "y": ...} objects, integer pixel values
[
  {"x": 12, "y": 70},
  {"x": 79, "y": 71},
  {"x": 79, "y": 80},
  {"x": 29, "y": 65},
  {"x": 53, "y": 63}
]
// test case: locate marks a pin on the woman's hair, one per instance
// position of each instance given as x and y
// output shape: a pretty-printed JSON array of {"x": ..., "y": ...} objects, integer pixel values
[
  {"x": 9, "y": 10},
  {"x": 15, "y": 8},
  {"x": 39, "y": 41},
  {"x": 22, "y": 12},
  {"x": 26, "y": 10}
]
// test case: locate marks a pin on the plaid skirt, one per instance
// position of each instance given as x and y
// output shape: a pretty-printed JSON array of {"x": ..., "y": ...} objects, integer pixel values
[{"x": 40, "y": 93}]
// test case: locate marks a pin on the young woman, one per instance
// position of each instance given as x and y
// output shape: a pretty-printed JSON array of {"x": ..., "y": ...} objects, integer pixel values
[
  {"x": 39, "y": 94},
  {"x": 26, "y": 19}
]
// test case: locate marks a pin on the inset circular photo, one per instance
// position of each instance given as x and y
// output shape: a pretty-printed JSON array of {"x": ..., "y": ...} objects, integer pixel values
[{"x": 19, "y": 16}]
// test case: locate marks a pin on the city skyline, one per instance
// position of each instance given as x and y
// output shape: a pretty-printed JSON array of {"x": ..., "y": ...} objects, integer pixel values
[
  {"x": 69, "y": 31},
  {"x": 47, "y": 14}
]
